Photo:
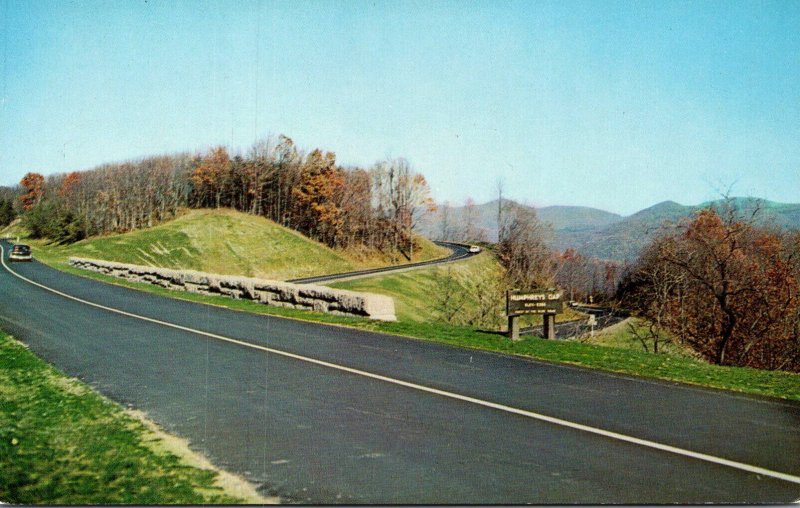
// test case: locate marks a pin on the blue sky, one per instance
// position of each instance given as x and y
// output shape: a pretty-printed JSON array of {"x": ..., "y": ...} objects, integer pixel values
[{"x": 616, "y": 105}]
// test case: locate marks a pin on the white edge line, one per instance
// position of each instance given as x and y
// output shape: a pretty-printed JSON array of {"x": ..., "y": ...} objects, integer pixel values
[{"x": 508, "y": 409}]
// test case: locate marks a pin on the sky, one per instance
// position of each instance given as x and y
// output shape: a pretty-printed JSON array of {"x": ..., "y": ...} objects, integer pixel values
[{"x": 613, "y": 105}]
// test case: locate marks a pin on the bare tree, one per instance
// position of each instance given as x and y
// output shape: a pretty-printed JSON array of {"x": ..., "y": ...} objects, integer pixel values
[
  {"x": 469, "y": 232},
  {"x": 445, "y": 228},
  {"x": 522, "y": 249},
  {"x": 499, "y": 207},
  {"x": 450, "y": 297}
]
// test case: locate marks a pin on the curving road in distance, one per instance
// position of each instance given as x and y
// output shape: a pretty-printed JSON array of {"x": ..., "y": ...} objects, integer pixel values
[{"x": 458, "y": 252}]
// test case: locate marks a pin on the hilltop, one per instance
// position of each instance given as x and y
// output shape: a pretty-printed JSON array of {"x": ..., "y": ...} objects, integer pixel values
[
  {"x": 228, "y": 242},
  {"x": 597, "y": 232}
]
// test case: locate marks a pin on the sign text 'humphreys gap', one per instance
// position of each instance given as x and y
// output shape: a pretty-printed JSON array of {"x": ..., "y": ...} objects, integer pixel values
[{"x": 520, "y": 302}]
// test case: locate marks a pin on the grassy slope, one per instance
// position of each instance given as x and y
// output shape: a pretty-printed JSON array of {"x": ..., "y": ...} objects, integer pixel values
[
  {"x": 62, "y": 443},
  {"x": 14, "y": 230},
  {"x": 368, "y": 258},
  {"x": 417, "y": 293},
  {"x": 220, "y": 241},
  {"x": 621, "y": 336}
]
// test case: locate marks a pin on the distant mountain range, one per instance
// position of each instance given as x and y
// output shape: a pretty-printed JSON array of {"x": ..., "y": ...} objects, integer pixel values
[{"x": 596, "y": 232}]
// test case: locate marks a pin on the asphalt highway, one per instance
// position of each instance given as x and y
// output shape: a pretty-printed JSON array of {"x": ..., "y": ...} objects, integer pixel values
[
  {"x": 321, "y": 414},
  {"x": 458, "y": 252}
]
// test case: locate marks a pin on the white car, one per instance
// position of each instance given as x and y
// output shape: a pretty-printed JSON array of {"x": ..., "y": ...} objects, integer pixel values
[
  {"x": 20, "y": 252},
  {"x": 474, "y": 248}
]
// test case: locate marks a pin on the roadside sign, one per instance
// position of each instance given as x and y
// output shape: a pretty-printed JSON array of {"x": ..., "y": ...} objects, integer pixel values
[{"x": 548, "y": 301}]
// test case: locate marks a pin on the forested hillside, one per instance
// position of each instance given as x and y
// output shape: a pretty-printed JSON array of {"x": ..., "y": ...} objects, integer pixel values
[{"x": 374, "y": 207}]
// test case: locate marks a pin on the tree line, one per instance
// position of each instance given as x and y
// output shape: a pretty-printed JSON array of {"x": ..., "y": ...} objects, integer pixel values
[{"x": 376, "y": 207}]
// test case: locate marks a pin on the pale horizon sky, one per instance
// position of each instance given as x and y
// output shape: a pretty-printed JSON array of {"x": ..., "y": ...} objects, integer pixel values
[{"x": 613, "y": 105}]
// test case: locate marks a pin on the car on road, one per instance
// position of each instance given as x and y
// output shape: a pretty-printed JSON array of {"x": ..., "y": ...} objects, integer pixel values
[
  {"x": 474, "y": 248},
  {"x": 20, "y": 252}
]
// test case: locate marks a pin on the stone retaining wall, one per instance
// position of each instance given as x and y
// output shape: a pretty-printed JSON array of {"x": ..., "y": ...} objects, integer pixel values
[{"x": 282, "y": 294}]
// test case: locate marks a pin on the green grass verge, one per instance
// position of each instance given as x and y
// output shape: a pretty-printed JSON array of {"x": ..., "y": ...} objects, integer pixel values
[
  {"x": 62, "y": 443},
  {"x": 685, "y": 370}
]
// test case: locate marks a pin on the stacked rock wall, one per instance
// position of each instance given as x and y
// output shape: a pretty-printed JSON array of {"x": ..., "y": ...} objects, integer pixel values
[{"x": 282, "y": 294}]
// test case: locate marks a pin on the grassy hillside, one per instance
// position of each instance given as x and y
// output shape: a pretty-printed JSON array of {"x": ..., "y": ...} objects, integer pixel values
[
  {"x": 464, "y": 293},
  {"x": 13, "y": 230},
  {"x": 222, "y": 241},
  {"x": 418, "y": 293},
  {"x": 370, "y": 258}
]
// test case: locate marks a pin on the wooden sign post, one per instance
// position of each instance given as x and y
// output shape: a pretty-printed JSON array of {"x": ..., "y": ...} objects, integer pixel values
[{"x": 546, "y": 303}]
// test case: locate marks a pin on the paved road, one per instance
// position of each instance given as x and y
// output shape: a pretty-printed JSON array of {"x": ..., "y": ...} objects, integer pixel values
[
  {"x": 604, "y": 318},
  {"x": 466, "y": 427},
  {"x": 458, "y": 252}
]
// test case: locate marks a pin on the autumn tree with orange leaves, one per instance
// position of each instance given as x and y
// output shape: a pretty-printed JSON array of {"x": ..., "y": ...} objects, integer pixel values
[
  {"x": 33, "y": 184},
  {"x": 317, "y": 212},
  {"x": 210, "y": 175},
  {"x": 69, "y": 184},
  {"x": 726, "y": 288}
]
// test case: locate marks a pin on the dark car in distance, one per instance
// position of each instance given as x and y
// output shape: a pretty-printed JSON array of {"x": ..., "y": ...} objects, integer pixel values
[{"x": 20, "y": 252}]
